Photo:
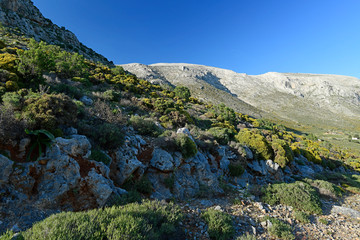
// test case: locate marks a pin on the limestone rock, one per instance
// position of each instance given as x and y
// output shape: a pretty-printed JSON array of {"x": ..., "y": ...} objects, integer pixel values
[
  {"x": 162, "y": 160},
  {"x": 77, "y": 145},
  {"x": 5, "y": 169},
  {"x": 86, "y": 100}
]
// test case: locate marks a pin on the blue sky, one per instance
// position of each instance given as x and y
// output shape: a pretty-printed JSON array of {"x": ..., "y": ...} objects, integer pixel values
[{"x": 247, "y": 36}]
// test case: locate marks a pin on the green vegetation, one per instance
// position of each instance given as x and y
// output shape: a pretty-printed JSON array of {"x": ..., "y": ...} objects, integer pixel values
[
  {"x": 220, "y": 224},
  {"x": 280, "y": 229},
  {"x": 299, "y": 195},
  {"x": 236, "y": 170},
  {"x": 186, "y": 145},
  {"x": 182, "y": 92},
  {"x": 100, "y": 156},
  {"x": 256, "y": 142},
  {"x": 325, "y": 188},
  {"x": 145, "y": 126},
  {"x": 148, "y": 220},
  {"x": 283, "y": 153},
  {"x": 246, "y": 236},
  {"x": 41, "y": 139},
  {"x": 301, "y": 217}
]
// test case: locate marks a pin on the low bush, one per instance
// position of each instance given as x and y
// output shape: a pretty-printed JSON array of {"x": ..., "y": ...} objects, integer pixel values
[
  {"x": 142, "y": 185},
  {"x": 182, "y": 92},
  {"x": 256, "y": 142},
  {"x": 145, "y": 126},
  {"x": 109, "y": 136},
  {"x": 48, "y": 111},
  {"x": 299, "y": 195},
  {"x": 301, "y": 217},
  {"x": 246, "y": 236},
  {"x": 220, "y": 224},
  {"x": 148, "y": 220},
  {"x": 280, "y": 229},
  {"x": 236, "y": 170},
  {"x": 186, "y": 145},
  {"x": 99, "y": 156},
  {"x": 283, "y": 153},
  {"x": 221, "y": 135},
  {"x": 325, "y": 188}
]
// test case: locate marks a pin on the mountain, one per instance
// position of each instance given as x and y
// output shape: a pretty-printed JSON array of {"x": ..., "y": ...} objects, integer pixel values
[
  {"x": 26, "y": 18},
  {"x": 320, "y": 100}
]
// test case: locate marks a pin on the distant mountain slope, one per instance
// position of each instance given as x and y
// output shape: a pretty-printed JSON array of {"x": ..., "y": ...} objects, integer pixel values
[
  {"x": 312, "y": 99},
  {"x": 24, "y": 16}
]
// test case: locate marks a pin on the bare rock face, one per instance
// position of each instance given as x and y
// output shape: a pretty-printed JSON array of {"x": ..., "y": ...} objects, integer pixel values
[
  {"x": 22, "y": 14},
  {"x": 304, "y": 98}
]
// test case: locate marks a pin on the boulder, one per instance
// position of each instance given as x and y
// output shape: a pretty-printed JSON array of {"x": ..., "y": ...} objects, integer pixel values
[
  {"x": 6, "y": 168},
  {"x": 258, "y": 166},
  {"x": 77, "y": 145},
  {"x": 305, "y": 171},
  {"x": 162, "y": 160},
  {"x": 86, "y": 100},
  {"x": 249, "y": 154},
  {"x": 57, "y": 177},
  {"x": 346, "y": 211},
  {"x": 102, "y": 188},
  {"x": 275, "y": 170},
  {"x": 161, "y": 192}
]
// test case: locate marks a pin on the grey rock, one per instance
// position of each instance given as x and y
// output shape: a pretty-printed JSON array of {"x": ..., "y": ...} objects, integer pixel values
[
  {"x": 206, "y": 203},
  {"x": 243, "y": 180},
  {"x": 162, "y": 160},
  {"x": 185, "y": 185},
  {"x": 275, "y": 170},
  {"x": 86, "y": 100},
  {"x": 305, "y": 171},
  {"x": 258, "y": 166},
  {"x": 15, "y": 228},
  {"x": 59, "y": 176},
  {"x": 249, "y": 154},
  {"x": 5, "y": 169},
  {"x": 77, "y": 145},
  {"x": 102, "y": 188},
  {"x": 126, "y": 164},
  {"x": 186, "y": 132},
  {"x": 345, "y": 211},
  {"x": 161, "y": 192},
  {"x": 218, "y": 208},
  {"x": 21, "y": 177}
]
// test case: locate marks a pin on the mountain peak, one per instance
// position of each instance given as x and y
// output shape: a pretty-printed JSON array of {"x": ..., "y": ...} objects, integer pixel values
[{"x": 24, "y": 16}]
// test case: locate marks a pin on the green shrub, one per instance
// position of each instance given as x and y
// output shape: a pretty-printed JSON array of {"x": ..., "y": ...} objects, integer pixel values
[
  {"x": 221, "y": 135},
  {"x": 149, "y": 220},
  {"x": 186, "y": 145},
  {"x": 325, "y": 188},
  {"x": 142, "y": 185},
  {"x": 236, "y": 170},
  {"x": 182, "y": 92},
  {"x": 246, "y": 236},
  {"x": 280, "y": 229},
  {"x": 220, "y": 224},
  {"x": 144, "y": 126},
  {"x": 49, "y": 111},
  {"x": 299, "y": 195},
  {"x": 222, "y": 113},
  {"x": 108, "y": 136},
  {"x": 256, "y": 142},
  {"x": 323, "y": 221},
  {"x": 283, "y": 153},
  {"x": 301, "y": 217},
  {"x": 100, "y": 156},
  {"x": 111, "y": 95},
  {"x": 8, "y": 235}
]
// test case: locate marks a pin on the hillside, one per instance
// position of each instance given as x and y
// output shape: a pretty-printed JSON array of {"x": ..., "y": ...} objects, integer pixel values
[
  {"x": 320, "y": 100},
  {"x": 92, "y": 151},
  {"x": 25, "y": 18}
]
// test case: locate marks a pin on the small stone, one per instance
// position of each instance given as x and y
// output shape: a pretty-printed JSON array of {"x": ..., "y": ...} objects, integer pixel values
[
  {"x": 218, "y": 208},
  {"x": 86, "y": 100},
  {"x": 253, "y": 230},
  {"x": 15, "y": 228}
]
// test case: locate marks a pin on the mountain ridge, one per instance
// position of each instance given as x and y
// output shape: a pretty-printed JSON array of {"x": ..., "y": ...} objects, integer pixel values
[{"x": 321, "y": 95}]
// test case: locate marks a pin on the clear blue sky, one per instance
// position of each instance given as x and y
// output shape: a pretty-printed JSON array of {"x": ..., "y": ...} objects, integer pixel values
[{"x": 247, "y": 36}]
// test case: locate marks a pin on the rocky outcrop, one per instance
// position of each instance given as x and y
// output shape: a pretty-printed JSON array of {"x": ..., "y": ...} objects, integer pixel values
[
  {"x": 22, "y": 14},
  {"x": 63, "y": 179}
]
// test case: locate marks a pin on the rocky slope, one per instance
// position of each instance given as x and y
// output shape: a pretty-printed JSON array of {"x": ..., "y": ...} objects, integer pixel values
[
  {"x": 314, "y": 99},
  {"x": 27, "y": 19}
]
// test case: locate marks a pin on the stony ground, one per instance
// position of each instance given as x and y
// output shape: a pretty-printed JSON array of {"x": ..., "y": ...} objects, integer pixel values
[{"x": 342, "y": 217}]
